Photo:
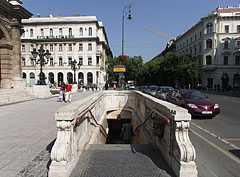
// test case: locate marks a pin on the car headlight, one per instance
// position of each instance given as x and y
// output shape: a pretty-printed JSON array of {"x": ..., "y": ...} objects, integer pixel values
[
  {"x": 192, "y": 106},
  {"x": 216, "y": 106}
]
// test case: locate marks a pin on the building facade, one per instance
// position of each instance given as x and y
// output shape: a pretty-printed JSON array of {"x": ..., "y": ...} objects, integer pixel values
[
  {"x": 11, "y": 13},
  {"x": 214, "y": 43},
  {"x": 78, "y": 38}
]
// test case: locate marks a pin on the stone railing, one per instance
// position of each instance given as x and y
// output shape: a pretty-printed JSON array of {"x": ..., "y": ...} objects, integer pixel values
[{"x": 166, "y": 128}]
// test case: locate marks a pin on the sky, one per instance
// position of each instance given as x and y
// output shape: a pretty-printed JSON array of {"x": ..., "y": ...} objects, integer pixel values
[{"x": 172, "y": 17}]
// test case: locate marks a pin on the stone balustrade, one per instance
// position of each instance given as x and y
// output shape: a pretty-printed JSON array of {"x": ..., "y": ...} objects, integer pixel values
[{"x": 161, "y": 123}]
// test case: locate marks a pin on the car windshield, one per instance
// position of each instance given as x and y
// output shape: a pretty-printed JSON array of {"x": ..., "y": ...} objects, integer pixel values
[
  {"x": 193, "y": 94},
  {"x": 153, "y": 88},
  {"x": 166, "y": 90}
]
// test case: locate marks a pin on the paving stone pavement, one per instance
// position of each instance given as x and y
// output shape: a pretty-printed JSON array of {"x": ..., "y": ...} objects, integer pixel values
[
  {"x": 27, "y": 134},
  {"x": 121, "y": 161}
]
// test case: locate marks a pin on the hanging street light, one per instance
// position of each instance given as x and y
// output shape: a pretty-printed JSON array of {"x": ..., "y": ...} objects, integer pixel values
[{"x": 41, "y": 53}]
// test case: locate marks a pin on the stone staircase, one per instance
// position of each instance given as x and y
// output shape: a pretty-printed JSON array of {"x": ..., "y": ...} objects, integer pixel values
[
  {"x": 121, "y": 160},
  {"x": 9, "y": 96}
]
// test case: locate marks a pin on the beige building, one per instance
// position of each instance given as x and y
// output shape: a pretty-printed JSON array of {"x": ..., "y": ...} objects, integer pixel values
[
  {"x": 11, "y": 13},
  {"x": 214, "y": 43},
  {"x": 80, "y": 38}
]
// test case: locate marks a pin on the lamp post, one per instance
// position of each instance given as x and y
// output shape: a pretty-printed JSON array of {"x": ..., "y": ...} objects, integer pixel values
[
  {"x": 126, "y": 11},
  {"x": 41, "y": 53},
  {"x": 74, "y": 68}
]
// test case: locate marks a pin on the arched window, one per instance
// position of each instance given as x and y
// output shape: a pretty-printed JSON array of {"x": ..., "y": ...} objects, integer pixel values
[
  {"x": 70, "y": 31},
  {"x": 70, "y": 78},
  {"x": 209, "y": 44},
  {"x": 80, "y": 78},
  {"x": 89, "y": 78},
  {"x": 81, "y": 32},
  {"x": 90, "y": 31},
  {"x": 208, "y": 60},
  {"x": 225, "y": 44},
  {"x": 51, "y": 32},
  {"x": 60, "y": 32},
  {"x": 209, "y": 27},
  {"x": 31, "y": 32},
  {"x": 24, "y": 75},
  {"x": 51, "y": 77},
  {"x": 60, "y": 79}
]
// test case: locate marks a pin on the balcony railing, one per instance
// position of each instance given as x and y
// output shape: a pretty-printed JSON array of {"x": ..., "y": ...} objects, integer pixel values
[{"x": 56, "y": 37}]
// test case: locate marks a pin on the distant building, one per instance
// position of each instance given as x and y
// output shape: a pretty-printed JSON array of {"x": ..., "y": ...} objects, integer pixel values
[
  {"x": 214, "y": 43},
  {"x": 80, "y": 38}
]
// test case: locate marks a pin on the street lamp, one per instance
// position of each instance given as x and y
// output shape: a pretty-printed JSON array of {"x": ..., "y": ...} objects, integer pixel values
[
  {"x": 41, "y": 53},
  {"x": 74, "y": 67},
  {"x": 126, "y": 11}
]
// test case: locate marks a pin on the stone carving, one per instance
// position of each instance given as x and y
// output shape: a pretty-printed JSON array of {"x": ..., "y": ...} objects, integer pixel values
[{"x": 61, "y": 150}]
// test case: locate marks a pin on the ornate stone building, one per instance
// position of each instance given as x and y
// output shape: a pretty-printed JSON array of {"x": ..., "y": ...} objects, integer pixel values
[
  {"x": 214, "y": 43},
  {"x": 80, "y": 38},
  {"x": 11, "y": 13}
]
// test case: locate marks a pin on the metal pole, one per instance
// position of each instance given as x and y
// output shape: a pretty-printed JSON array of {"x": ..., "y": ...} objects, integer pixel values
[{"x": 123, "y": 34}]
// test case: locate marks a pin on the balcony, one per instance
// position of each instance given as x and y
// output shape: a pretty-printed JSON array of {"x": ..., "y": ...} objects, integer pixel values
[
  {"x": 98, "y": 53},
  {"x": 56, "y": 37}
]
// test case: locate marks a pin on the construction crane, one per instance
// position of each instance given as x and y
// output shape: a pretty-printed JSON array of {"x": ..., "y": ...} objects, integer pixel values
[{"x": 161, "y": 34}]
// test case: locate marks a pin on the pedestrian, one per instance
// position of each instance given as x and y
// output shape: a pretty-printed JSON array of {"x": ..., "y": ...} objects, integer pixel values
[
  {"x": 60, "y": 97},
  {"x": 127, "y": 132},
  {"x": 63, "y": 85},
  {"x": 114, "y": 86},
  {"x": 106, "y": 86},
  {"x": 68, "y": 93}
]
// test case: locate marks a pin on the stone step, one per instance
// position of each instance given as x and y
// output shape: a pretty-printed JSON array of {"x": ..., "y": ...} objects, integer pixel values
[{"x": 121, "y": 160}]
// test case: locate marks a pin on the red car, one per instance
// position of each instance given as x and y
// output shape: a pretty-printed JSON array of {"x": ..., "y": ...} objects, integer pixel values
[{"x": 195, "y": 101}]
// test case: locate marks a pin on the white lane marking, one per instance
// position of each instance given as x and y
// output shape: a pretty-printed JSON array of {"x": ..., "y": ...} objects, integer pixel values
[{"x": 215, "y": 136}]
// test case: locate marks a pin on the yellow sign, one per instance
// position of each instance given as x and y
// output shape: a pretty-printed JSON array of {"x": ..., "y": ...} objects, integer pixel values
[{"x": 119, "y": 69}]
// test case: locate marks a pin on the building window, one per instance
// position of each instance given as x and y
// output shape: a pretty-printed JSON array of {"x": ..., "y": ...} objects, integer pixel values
[
  {"x": 200, "y": 34},
  {"x": 51, "y": 61},
  {"x": 237, "y": 60},
  {"x": 60, "y": 32},
  {"x": 209, "y": 27},
  {"x": 60, "y": 61},
  {"x": 226, "y": 29},
  {"x": 195, "y": 50},
  {"x": 208, "y": 60},
  {"x": 23, "y": 61},
  {"x": 89, "y": 61},
  {"x": 238, "y": 44},
  {"x": 89, "y": 47},
  {"x": 51, "y": 47},
  {"x": 69, "y": 60},
  {"x": 200, "y": 48},
  {"x": 90, "y": 31},
  {"x": 31, "y": 48},
  {"x": 195, "y": 37},
  {"x": 191, "y": 39},
  {"x": 31, "y": 32},
  {"x": 51, "y": 32},
  {"x": 69, "y": 47},
  {"x": 225, "y": 60},
  {"x": 32, "y": 62},
  {"x": 81, "y": 47},
  {"x": 70, "y": 31},
  {"x": 209, "y": 44},
  {"x": 42, "y": 32},
  {"x": 23, "y": 48},
  {"x": 97, "y": 60},
  {"x": 60, "y": 48},
  {"x": 238, "y": 28},
  {"x": 225, "y": 44},
  {"x": 80, "y": 31},
  {"x": 80, "y": 61}
]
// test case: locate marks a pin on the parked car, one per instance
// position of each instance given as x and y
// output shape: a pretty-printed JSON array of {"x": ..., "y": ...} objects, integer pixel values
[
  {"x": 163, "y": 91},
  {"x": 195, "y": 101},
  {"x": 143, "y": 88},
  {"x": 152, "y": 90},
  {"x": 131, "y": 85}
]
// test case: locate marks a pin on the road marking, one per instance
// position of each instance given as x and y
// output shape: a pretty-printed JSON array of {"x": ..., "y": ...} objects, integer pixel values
[
  {"x": 216, "y": 147},
  {"x": 232, "y": 139},
  {"x": 215, "y": 136}
]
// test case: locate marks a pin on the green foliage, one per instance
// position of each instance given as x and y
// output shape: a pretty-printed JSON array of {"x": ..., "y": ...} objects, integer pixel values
[{"x": 54, "y": 92}]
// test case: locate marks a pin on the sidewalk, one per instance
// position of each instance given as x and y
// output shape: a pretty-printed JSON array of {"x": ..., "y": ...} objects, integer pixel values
[{"x": 27, "y": 134}]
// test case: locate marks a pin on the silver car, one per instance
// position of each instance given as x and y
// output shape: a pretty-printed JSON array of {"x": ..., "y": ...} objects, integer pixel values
[
  {"x": 152, "y": 90},
  {"x": 163, "y": 91}
]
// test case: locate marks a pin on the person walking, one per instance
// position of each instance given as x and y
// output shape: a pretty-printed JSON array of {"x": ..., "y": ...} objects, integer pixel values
[
  {"x": 63, "y": 85},
  {"x": 114, "y": 86},
  {"x": 68, "y": 93},
  {"x": 127, "y": 132}
]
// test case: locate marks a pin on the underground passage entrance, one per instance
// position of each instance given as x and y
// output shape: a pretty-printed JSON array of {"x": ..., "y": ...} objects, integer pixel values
[{"x": 115, "y": 135}]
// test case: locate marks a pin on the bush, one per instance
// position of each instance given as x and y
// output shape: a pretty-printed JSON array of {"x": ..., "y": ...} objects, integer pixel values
[{"x": 54, "y": 92}]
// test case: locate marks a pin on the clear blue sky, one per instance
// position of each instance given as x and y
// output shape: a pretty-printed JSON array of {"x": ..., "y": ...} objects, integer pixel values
[{"x": 171, "y": 17}]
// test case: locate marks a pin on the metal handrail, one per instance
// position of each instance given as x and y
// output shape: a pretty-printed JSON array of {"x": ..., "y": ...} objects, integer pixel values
[
  {"x": 162, "y": 116},
  {"x": 82, "y": 117}
]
